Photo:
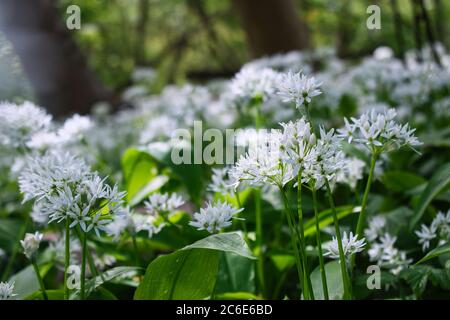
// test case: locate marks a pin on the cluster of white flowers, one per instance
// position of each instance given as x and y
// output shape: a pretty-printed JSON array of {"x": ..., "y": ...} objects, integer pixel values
[
  {"x": 352, "y": 172},
  {"x": 220, "y": 181},
  {"x": 7, "y": 291},
  {"x": 163, "y": 203},
  {"x": 214, "y": 217},
  {"x": 298, "y": 88},
  {"x": 379, "y": 132},
  {"x": 31, "y": 244},
  {"x": 439, "y": 230},
  {"x": 262, "y": 164},
  {"x": 350, "y": 246},
  {"x": 382, "y": 246},
  {"x": 133, "y": 223},
  {"x": 18, "y": 123},
  {"x": 251, "y": 83},
  {"x": 64, "y": 188},
  {"x": 72, "y": 131},
  {"x": 387, "y": 255}
]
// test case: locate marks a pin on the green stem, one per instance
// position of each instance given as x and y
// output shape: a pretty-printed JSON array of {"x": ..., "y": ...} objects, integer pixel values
[
  {"x": 38, "y": 275},
  {"x": 83, "y": 266},
  {"x": 293, "y": 237},
  {"x": 319, "y": 246},
  {"x": 307, "y": 279},
  {"x": 343, "y": 264},
  {"x": 67, "y": 260},
  {"x": 243, "y": 224},
  {"x": 136, "y": 251},
  {"x": 258, "y": 220},
  {"x": 362, "y": 215},
  {"x": 15, "y": 250}
]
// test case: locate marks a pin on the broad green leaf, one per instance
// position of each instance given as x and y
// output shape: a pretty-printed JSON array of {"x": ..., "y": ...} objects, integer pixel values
[
  {"x": 228, "y": 242},
  {"x": 26, "y": 282},
  {"x": 282, "y": 261},
  {"x": 445, "y": 248},
  {"x": 326, "y": 218},
  {"x": 236, "y": 296},
  {"x": 154, "y": 185},
  {"x": 401, "y": 181},
  {"x": 182, "y": 275},
  {"x": 52, "y": 295},
  {"x": 236, "y": 274},
  {"x": 139, "y": 169},
  {"x": 334, "y": 281},
  {"x": 107, "y": 276},
  {"x": 436, "y": 184},
  {"x": 191, "y": 272}
]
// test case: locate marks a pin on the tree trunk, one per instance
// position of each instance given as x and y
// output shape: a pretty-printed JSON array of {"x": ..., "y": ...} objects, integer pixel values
[
  {"x": 53, "y": 62},
  {"x": 272, "y": 26}
]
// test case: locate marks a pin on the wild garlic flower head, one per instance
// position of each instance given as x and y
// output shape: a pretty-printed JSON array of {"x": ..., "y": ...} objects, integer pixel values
[
  {"x": 18, "y": 123},
  {"x": 327, "y": 160},
  {"x": 439, "y": 229},
  {"x": 375, "y": 229},
  {"x": 75, "y": 128},
  {"x": 298, "y": 88},
  {"x": 7, "y": 291},
  {"x": 250, "y": 83},
  {"x": 132, "y": 222},
  {"x": 351, "y": 173},
  {"x": 386, "y": 255},
  {"x": 214, "y": 217},
  {"x": 379, "y": 132},
  {"x": 263, "y": 164},
  {"x": 298, "y": 144},
  {"x": 221, "y": 181},
  {"x": 31, "y": 244},
  {"x": 163, "y": 203},
  {"x": 350, "y": 245},
  {"x": 64, "y": 188}
]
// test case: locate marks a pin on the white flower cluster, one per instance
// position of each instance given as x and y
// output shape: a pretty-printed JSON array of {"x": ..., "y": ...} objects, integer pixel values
[
  {"x": 350, "y": 246},
  {"x": 282, "y": 154},
  {"x": 379, "y": 132},
  {"x": 251, "y": 83},
  {"x": 387, "y": 255},
  {"x": 438, "y": 230},
  {"x": 7, "y": 291},
  {"x": 31, "y": 244},
  {"x": 298, "y": 88},
  {"x": 221, "y": 181},
  {"x": 382, "y": 246},
  {"x": 352, "y": 172},
  {"x": 263, "y": 164},
  {"x": 18, "y": 123},
  {"x": 133, "y": 223},
  {"x": 214, "y": 217},
  {"x": 64, "y": 188},
  {"x": 163, "y": 203}
]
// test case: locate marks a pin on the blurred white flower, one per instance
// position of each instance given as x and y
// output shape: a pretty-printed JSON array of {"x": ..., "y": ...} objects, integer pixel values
[
  {"x": 376, "y": 225},
  {"x": 18, "y": 123},
  {"x": 31, "y": 244},
  {"x": 350, "y": 245},
  {"x": 298, "y": 88},
  {"x": 439, "y": 229},
  {"x": 74, "y": 128},
  {"x": 7, "y": 291},
  {"x": 163, "y": 203},
  {"x": 214, "y": 217}
]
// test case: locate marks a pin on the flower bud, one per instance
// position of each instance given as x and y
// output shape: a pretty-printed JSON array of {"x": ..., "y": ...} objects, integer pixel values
[{"x": 31, "y": 244}]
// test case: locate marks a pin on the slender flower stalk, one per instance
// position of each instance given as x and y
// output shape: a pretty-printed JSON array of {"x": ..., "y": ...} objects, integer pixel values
[
  {"x": 39, "y": 277},
  {"x": 15, "y": 251},
  {"x": 67, "y": 260},
  {"x": 319, "y": 246},
  {"x": 293, "y": 237},
  {"x": 306, "y": 275},
  {"x": 343, "y": 263},
  {"x": 362, "y": 215},
  {"x": 83, "y": 266},
  {"x": 136, "y": 251}
]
